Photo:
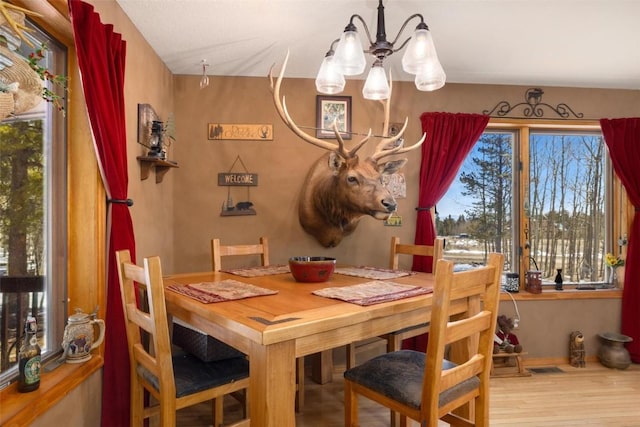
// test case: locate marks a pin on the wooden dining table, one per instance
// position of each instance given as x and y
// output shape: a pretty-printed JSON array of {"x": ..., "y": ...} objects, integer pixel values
[{"x": 274, "y": 330}]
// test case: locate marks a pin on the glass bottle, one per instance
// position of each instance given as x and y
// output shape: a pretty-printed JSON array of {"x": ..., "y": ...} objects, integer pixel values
[
  {"x": 29, "y": 358},
  {"x": 558, "y": 280}
]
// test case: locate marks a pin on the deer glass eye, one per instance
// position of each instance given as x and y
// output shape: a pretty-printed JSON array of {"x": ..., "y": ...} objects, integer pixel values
[{"x": 352, "y": 180}]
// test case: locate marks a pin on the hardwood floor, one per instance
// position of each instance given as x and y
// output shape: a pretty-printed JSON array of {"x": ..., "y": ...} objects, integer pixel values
[{"x": 591, "y": 396}]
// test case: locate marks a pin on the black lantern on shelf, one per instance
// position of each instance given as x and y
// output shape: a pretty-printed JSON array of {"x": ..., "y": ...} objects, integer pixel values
[{"x": 155, "y": 140}]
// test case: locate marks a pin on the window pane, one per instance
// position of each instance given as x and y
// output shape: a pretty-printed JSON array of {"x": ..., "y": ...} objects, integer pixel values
[
  {"x": 475, "y": 216},
  {"x": 567, "y": 205},
  {"x": 33, "y": 217}
]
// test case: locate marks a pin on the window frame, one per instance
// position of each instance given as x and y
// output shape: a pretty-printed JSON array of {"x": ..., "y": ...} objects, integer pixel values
[{"x": 616, "y": 198}]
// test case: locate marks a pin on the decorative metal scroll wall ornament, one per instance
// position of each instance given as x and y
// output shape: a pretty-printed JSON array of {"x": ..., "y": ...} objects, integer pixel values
[{"x": 532, "y": 107}]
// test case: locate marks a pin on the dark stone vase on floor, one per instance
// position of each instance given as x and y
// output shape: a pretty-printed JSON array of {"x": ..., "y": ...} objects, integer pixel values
[{"x": 612, "y": 353}]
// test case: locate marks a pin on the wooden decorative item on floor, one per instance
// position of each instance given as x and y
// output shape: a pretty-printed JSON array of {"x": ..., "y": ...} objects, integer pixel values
[
  {"x": 576, "y": 349},
  {"x": 508, "y": 365}
]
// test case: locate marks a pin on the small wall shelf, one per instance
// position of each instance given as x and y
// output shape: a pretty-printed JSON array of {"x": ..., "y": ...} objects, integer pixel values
[{"x": 161, "y": 167}]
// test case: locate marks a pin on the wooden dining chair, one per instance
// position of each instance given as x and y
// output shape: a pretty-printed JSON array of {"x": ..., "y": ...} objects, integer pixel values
[
  {"x": 218, "y": 251},
  {"x": 262, "y": 248},
  {"x": 436, "y": 251},
  {"x": 394, "y": 339},
  {"x": 175, "y": 381},
  {"x": 428, "y": 387}
]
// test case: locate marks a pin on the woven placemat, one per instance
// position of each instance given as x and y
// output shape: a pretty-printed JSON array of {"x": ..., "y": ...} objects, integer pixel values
[
  {"x": 373, "y": 272},
  {"x": 266, "y": 270},
  {"x": 373, "y": 292},
  {"x": 224, "y": 290}
]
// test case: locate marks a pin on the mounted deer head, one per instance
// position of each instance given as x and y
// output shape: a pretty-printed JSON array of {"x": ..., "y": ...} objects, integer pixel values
[{"x": 340, "y": 188}]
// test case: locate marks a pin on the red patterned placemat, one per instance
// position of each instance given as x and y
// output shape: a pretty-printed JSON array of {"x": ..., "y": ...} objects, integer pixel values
[
  {"x": 266, "y": 270},
  {"x": 373, "y": 272},
  {"x": 224, "y": 290},
  {"x": 372, "y": 292}
]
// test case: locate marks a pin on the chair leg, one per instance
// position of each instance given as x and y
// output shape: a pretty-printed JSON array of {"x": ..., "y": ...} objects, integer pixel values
[
  {"x": 168, "y": 413},
  {"x": 394, "y": 343},
  {"x": 350, "y": 406},
  {"x": 137, "y": 404},
  {"x": 300, "y": 384},
  {"x": 218, "y": 415}
]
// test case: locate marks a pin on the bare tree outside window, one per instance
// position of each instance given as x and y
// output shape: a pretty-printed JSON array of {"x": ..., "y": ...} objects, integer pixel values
[
  {"x": 567, "y": 205},
  {"x": 555, "y": 220}
]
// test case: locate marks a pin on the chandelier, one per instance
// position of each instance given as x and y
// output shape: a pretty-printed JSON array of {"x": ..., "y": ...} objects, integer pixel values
[{"x": 348, "y": 59}]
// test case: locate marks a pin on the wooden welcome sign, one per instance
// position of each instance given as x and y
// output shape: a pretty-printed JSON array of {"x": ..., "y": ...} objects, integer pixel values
[
  {"x": 232, "y": 179},
  {"x": 237, "y": 179}
]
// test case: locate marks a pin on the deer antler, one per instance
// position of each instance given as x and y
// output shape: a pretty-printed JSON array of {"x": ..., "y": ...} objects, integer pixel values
[
  {"x": 382, "y": 149},
  {"x": 281, "y": 107}
]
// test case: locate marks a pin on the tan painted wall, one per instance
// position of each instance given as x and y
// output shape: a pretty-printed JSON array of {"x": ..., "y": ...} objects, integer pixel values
[{"x": 282, "y": 163}]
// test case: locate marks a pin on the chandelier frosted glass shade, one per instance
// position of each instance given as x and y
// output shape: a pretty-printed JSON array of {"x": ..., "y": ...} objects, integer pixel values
[
  {"x": 329, "y": 80},
  {"x": 420, "y": 53},
  {"x": 376, "y": 86},
  {"x": 349, "y": 56},
  {"x": 431, "y": 78}
]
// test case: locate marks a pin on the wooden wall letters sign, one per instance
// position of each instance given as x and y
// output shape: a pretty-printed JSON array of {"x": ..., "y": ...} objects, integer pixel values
[
  {"x": 238, "y": 131},
  {"x": 234, "y": 179}
]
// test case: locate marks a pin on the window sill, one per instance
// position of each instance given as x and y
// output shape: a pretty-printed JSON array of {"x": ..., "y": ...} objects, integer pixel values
[
  {"x": 20, "y": 409},
  {"x": 569, "y": 293}
]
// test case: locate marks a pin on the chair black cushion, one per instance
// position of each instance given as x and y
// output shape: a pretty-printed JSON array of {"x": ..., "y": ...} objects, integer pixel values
[
  {"x": 203, "y": 346},
  {"x": 398, "y": 375},
  {"x": 193, "y": 375}
]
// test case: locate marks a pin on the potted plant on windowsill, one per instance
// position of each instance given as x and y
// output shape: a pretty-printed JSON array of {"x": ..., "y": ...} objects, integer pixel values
[{"x": 612, "y": 262}]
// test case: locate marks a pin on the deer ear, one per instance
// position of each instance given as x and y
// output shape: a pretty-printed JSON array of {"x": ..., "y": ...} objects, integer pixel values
[
  {"x": 391, "y": 167},
  {"x": 335, "y": 162}
]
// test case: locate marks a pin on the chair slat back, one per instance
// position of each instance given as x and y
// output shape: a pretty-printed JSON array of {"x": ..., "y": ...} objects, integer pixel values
[
  {"x": 218, "y": 251},
  {"x": 142, "y": 292},
  {"x": 436, "y": 251},
  {"x": 475, "y": 328}
]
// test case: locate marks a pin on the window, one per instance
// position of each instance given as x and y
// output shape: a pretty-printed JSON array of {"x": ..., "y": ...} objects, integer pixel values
[
  {"x": 33, "y": 217},
  {"x": 540, "y": 194}
]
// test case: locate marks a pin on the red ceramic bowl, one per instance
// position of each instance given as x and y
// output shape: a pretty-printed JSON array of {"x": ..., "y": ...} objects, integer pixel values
[{"x": 312, "y": 268}]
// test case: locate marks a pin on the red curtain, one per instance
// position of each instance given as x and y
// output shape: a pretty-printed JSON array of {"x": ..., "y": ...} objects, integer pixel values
[
  {"x": 101, "y": 59},
  {"x": 450, "y": 138},
  {"x": 622, "y": 136}
]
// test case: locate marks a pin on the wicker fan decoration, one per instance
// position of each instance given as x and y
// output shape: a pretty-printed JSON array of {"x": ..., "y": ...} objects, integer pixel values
[{"x": 22, "y": 79}]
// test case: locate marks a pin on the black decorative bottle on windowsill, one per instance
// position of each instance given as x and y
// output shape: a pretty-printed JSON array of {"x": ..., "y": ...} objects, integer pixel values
[{"x": 558, "y": 280}]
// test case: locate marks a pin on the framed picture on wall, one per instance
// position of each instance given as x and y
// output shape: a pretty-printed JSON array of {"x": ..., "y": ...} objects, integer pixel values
[{"x": 330, "y": 109}]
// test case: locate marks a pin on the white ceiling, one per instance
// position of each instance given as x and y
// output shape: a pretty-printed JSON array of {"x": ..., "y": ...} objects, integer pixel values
[{"x": 573, "y": 43}]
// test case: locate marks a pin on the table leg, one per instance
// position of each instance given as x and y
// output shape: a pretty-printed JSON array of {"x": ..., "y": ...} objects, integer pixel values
[
  {"x": 272, "y": 384},
  {"x": 322, "y": 367}
]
